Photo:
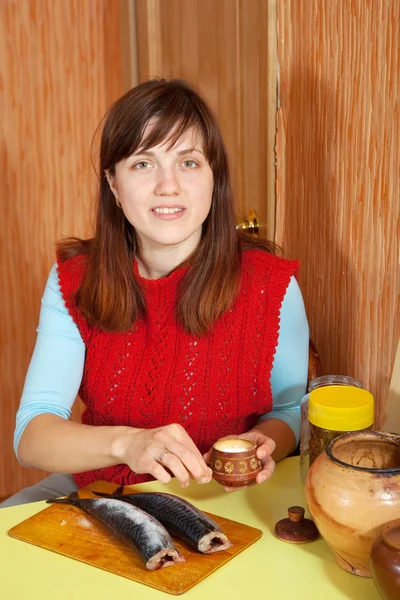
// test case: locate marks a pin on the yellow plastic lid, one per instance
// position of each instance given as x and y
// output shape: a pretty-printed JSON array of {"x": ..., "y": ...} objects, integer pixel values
[{"x": 341, "y": 408}]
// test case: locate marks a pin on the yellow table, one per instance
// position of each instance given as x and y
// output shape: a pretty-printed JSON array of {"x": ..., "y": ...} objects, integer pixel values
[{"x": 269, "y": 570}]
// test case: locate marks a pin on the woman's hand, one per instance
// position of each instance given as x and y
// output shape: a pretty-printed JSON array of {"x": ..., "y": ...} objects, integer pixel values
[
  {"x": 265, "y": 447},
  {"x": 161, "y": 451}
]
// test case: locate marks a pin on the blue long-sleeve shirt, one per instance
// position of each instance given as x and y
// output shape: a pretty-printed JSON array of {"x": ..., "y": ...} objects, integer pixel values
[{"x": 56, "y": 368}]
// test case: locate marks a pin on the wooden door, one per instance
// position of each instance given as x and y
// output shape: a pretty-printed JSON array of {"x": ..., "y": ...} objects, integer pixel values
[{"x": 228, "y": 50}]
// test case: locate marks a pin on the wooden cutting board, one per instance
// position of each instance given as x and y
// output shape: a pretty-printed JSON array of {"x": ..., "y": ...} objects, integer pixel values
[{"x": 69, "y": 531}]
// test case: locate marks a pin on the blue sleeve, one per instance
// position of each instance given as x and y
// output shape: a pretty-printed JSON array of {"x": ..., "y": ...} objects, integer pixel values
[
  {"x": 290, "y": 367},
  {"x": 56, "y": 367}
]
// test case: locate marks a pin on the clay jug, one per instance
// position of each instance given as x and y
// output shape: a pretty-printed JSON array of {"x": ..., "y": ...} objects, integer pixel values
[
  {"x": 385, "y": 561},
  {"x": 353, "y": 489}
]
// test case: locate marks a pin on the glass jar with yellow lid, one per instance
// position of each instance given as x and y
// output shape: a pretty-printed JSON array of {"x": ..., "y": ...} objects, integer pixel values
[
  {"x": 335, "y": 410},
  {"x": 335, "y": 405}
]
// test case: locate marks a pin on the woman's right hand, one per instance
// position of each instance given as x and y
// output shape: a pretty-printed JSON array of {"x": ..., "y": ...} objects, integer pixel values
[{"x": 160, "y": 450}]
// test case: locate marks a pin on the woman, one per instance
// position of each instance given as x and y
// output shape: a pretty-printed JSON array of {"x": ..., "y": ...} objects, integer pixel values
[{"x": 174, "y": 330}]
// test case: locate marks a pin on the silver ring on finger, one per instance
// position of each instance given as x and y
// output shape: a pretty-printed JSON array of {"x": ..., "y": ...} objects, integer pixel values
[{"x": 163, "y": 454}]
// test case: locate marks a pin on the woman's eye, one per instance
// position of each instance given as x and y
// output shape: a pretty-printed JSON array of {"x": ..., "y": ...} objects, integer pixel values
[
  {"x": 142, "y": 165},
  {"x": 190, "y": 164}
]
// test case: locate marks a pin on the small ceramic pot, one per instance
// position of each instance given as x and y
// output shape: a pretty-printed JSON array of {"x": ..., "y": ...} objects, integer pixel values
[
  {"x": 353, "y": 489},
  {"x": 234, "y": 462},
  {"x": 385, "y": 561}
]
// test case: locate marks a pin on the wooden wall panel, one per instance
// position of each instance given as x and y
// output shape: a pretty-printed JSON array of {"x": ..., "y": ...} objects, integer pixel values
[
  {"x": 55, "y": 84},
  {"x": 338, "y": 170},
  {"x": 228, "y": 49}
]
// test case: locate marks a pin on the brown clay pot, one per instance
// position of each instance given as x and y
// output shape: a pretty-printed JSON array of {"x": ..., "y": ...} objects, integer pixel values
[
  {"x": 385, "y": 561},
  {"x": 234, "y": 462},
  {"x": 353, "y": 489}
]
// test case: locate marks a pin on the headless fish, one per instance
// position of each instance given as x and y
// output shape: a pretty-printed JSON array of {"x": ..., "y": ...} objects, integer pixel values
[
  {"x": 131, "y": 525},
  {"x": 181, "y": 518}
]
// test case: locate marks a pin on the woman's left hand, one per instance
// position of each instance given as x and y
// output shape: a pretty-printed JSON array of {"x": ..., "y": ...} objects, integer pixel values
[{"x": 265, "y": 447}]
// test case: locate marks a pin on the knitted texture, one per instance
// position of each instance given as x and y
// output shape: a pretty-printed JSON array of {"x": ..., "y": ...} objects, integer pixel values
[{"x": 157, "y": 374}]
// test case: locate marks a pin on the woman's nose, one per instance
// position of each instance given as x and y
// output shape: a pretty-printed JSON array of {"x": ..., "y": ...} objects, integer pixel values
[{"x": 167, "y": 183}]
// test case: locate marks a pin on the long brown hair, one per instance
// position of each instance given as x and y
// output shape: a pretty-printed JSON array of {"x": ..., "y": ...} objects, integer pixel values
[{"x": 109, "y": 296}]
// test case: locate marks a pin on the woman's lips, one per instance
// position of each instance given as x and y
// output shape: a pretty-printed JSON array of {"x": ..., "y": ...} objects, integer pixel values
[{"x": 168, "y": 213}]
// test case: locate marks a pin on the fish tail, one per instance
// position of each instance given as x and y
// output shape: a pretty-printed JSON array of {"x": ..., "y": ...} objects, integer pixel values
[
  {"x": 117, "y": 492},
  {"x": 103, "y": 494},
  {"x": 71, "y": 499}
]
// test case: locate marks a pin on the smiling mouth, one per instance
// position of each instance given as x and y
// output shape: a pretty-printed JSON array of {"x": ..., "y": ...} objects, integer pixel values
[{"x": 167, "y": 211}]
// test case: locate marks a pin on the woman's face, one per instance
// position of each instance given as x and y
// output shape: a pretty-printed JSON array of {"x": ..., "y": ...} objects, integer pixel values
[{"x": 166, "y": 193}]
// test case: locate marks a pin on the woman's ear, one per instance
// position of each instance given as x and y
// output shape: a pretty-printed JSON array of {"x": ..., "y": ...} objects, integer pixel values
[{"x": 113, "y": 187}]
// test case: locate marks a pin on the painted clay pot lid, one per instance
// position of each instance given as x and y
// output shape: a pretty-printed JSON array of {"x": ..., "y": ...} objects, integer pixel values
[{"x": 296, "y": 529}]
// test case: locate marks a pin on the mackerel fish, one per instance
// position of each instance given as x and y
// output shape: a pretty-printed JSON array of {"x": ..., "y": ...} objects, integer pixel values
[
  {"x": 179, "y": 517},
  {"x": 131, "y": 525}
]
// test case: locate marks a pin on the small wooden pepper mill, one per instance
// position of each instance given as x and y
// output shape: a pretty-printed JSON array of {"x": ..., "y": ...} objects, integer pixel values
[{"x": 296, "y": 529}]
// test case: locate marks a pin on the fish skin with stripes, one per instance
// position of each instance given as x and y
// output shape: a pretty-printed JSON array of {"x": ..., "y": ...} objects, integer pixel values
[
  {"x": 131, "y": 525},
  {"x": 179, "y": 517}
]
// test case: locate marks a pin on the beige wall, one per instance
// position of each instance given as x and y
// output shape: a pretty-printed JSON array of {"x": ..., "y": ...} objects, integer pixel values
[
  {"x": 338, "y": 168},
  {"x": 55, "y": 85}
]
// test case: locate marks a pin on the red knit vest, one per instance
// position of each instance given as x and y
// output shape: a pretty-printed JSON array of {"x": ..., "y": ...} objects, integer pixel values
[{"x": 158, "y": 374}]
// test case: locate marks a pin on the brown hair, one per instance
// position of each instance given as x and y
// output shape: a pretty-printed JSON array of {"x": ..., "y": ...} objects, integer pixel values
[{"x": 109, "y": 296}]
